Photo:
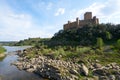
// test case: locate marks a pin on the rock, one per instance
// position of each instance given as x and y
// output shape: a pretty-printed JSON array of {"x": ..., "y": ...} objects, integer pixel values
[
  {"x": 97, "y": 65},
  {"x": 74, "y": 77},
  {"x": 99, "y": 72},
  {"x": 90, "y": 79},
  {"x": 96, "y": 77},
  {"x": 20, "y": 59},
  {"x": 84, "y": 70},
  {"x": 66, "y": 70},
  {"x": 28, "y": 66},
  {"x": 111, "y": 77},
  {"x": 97, "y": 61},
  {"x": 103, "y": 78},
  {"x": 30, "y": 70},
  {"x": 73, "y": 72},
  {"x": 17, "y": 63},
  {"x": 113, "y": 65},
  {"x": 117, "y": 77},
  {"x": 20, "y": 67}
]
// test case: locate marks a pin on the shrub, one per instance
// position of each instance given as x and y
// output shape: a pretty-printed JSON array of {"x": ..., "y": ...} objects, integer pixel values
[
  {"x": 116, "y": 47},
  {"x": 2, "y": 49},
  {"x": 99, "y": 43},
  {"x": 118, "y": 43},
  {"x": 108, "y": 35}
]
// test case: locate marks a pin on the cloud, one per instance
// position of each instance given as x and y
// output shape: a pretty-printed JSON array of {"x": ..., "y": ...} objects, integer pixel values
[
  {"x": 95, "y": 8},
  {"x": 18, "y": 26},
  {"x": 60, "y": 11},
  {"x": 106, "y": 12}
]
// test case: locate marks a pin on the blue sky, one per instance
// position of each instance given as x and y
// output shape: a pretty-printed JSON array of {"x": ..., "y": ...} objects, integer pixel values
[{"x": 21, "y": 19}]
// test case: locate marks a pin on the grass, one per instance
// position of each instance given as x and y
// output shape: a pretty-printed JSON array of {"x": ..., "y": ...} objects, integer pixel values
[
  {"x": 79, "y": 54},
  {"x": 2, "y": 50}
]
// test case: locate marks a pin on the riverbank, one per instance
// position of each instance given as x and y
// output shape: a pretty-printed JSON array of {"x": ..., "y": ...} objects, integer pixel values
[
  {"x": 48, "y": 66},
  {"x": 2, "y": 50}
]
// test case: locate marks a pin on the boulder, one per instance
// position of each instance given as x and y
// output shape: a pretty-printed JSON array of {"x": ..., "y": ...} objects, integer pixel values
[
  {"x": 112, "y": 77},
  {"x": 30, "y": 70},
  {"x": 72, "y": 71},
  {"x": 97, "y": 65},
  {"x": 99, "y": 72},
  {"x": 103, "y": 78},
  {"x": 84, "y": 70},
  {"x": 117, "y": 77}
]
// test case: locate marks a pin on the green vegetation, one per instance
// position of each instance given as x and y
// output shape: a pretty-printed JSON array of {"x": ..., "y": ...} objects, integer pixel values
[
  {"x": 7, "y": 43},
  {"x": 78, "y": 54},
  {"x": 2, "y": 50},
  {"x": 87, "y": 35},
  {"x": 31, "y": 41},
  {"x": 116, "y": 46},
  {"x": 91, "y": 42},
  {"x": 2, "y": 55},
  {"x": 99, "y": 43}
]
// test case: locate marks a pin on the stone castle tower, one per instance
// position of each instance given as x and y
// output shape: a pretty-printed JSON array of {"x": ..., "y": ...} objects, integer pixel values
[{"x": 80, "y": 23}]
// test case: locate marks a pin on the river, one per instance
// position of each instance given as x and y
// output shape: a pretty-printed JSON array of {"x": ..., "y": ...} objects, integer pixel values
[{"x": 10, "y": 72}]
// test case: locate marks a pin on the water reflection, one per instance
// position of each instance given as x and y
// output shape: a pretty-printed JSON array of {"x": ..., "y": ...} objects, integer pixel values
[{"x": 10, "y": 72}]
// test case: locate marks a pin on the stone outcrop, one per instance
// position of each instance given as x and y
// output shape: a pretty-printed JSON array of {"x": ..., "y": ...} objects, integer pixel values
[
  {"x": 67, "y": 70},
  {"x": 52, "y": 69}
]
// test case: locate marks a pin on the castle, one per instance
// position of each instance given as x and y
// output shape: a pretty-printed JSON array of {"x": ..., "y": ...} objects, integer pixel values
[{"x": 79, "y": 23}]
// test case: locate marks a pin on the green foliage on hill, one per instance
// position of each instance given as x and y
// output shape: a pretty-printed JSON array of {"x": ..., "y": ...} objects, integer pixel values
[
  {"x": 87, "y": 35},
  {"x": 2, "y": 49}
]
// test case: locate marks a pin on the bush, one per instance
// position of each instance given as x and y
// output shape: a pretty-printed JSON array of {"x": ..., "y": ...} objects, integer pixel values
[
  {"x": 2, "y": 49},
  {"x": 99, "y": 43},
  {"x": 116, "y": 47},
  {"x": 118, "y": 43}
]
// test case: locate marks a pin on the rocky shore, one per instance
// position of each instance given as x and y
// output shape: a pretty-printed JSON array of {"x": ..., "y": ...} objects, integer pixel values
[{"x": 67, "y": 70}]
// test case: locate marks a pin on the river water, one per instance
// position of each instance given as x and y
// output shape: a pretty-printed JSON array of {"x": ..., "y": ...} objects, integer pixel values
[{"x": 10, "y": 72}]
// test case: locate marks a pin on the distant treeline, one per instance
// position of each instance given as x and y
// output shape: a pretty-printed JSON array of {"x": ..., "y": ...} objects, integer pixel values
[
  {"x": 31, "y": 41},
  {"x": 7, "y": 43}
]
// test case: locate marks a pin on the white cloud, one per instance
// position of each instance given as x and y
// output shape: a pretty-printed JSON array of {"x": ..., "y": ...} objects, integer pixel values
[
  {"x": 95, "y": 8},
  {"x": 106, "y": 12},
  {"x": 60, "y": 11},
  {"x": 18, "y": 26}
]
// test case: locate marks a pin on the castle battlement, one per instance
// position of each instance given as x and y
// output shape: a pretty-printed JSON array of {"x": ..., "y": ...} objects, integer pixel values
[{"x": 88, "y": 19}]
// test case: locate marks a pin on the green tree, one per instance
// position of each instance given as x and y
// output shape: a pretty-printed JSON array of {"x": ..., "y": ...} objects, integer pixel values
[
  {"x": 108, "y": 35},
  {"x": 116, "y": 47},
  {"x": 100, "y": 43},
  {"x": 118, "y": 44}
]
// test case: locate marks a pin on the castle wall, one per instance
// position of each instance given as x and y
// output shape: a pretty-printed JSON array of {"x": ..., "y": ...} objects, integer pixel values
[
  {"x": 70, "y": 25},
  {"x": 80, "y": 23}
]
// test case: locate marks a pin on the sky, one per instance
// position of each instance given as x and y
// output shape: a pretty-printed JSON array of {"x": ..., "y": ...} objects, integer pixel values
[{"x": 22, "y": 19}]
